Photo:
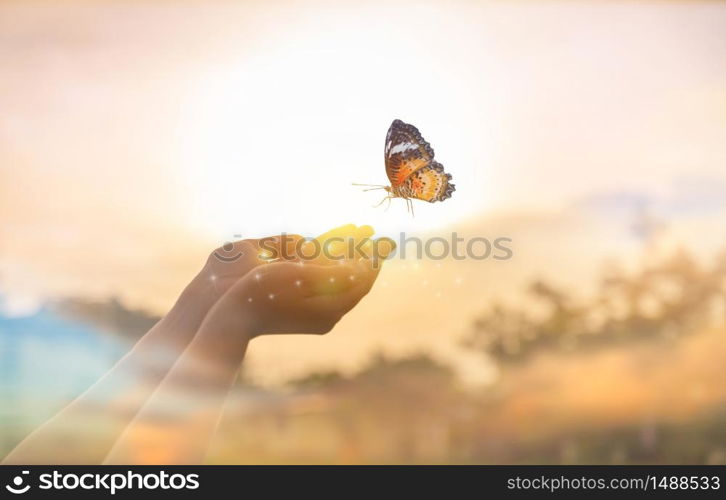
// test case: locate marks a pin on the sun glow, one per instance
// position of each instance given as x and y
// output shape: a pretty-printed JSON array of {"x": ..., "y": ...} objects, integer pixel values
[{"x": 274, "y": 141}]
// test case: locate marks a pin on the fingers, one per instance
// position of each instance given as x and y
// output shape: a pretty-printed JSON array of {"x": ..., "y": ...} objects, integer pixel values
[
  {"x": 232, "y": 256},
  {"x": 348, "y": 296},
  {"x": 332, "y": 280},
  {"x": 338, "y": 282},
  {"x": 305, "y": 280},
  {"x": 330, "y": 246},
  {"x": 274, "y": 248},
  {"x": 363, "y": 232},
  {"x": 344, "y": 242},
  {"x": 242, "y": 253},
  {"x": 300, "y": 297},
  {"x": 347, "y": 241},
  {"x": 344, "y": 231}
]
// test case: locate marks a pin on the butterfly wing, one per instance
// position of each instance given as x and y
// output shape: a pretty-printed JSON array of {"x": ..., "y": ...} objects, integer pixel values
[
  {"x": 406, "y": 152},
  {"x": 430, "y": 184}
]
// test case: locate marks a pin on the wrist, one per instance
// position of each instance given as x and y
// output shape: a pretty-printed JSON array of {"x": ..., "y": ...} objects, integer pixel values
[
  {"x": 199, "y": 295},
  {"x": 224, "y": 333},
  {"x": 233, "y": 315},
  {"x": 188, "y": 312}
]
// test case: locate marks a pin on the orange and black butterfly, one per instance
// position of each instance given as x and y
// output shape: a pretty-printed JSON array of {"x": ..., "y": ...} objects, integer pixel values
[{"x": 411, "y": 168}]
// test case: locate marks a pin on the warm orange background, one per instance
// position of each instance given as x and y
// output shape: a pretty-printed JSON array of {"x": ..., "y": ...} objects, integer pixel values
[{"x": 135, "y": 137}]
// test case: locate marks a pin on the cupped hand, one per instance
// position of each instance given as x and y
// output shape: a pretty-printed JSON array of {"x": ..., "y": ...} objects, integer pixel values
[
  {"x": 302, "y": 294},
  {"x": 232, "y": 261},
  {"x": 300, "y": 297},
  {"x": 229, "y": 263}
]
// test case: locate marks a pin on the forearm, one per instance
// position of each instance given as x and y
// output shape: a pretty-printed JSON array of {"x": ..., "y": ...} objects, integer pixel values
[
  {"x": 161, "y": 402},
  {"x": 178, "y": 421},
  {"x": 86, "y": 429}
]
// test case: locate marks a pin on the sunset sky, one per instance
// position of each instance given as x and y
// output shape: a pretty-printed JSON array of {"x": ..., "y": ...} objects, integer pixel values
[{"x": 135, "y": 137}]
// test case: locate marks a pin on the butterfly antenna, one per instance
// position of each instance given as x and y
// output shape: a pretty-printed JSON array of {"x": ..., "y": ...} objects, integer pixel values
[{"x": 371, "y": 187}]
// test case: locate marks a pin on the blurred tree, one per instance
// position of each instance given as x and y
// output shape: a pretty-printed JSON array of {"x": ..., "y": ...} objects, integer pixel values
[
  {"x": 110, "y": 316},
  {"x": 671, "y": 297}
]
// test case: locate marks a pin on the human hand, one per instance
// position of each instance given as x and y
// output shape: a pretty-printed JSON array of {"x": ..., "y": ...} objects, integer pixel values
[
  {"x": 230, "y": 262},
  {"x": 301, "y": 295},
  {"x": 289, "y": 297}
]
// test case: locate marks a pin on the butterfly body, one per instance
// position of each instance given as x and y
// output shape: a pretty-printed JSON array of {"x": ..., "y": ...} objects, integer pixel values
[{"x": 411, "y": 168}]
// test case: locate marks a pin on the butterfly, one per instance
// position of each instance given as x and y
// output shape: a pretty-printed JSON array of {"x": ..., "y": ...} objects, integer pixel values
[{"x": 411, "y": 168}]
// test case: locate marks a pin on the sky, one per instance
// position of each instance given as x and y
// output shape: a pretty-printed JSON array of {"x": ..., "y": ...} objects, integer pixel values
[{"x": 136, "y": 137}]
